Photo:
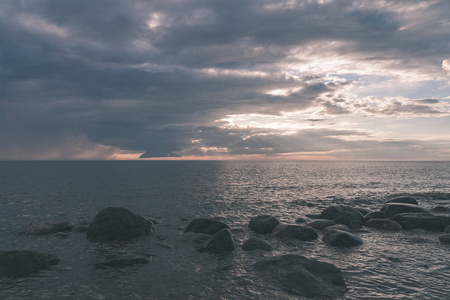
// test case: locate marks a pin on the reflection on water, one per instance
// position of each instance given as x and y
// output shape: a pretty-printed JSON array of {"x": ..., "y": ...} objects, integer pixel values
[{"x": 399, "y": 265}]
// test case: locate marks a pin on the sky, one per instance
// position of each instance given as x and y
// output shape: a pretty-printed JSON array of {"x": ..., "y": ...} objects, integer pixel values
[{"x": 235, "y": 79}]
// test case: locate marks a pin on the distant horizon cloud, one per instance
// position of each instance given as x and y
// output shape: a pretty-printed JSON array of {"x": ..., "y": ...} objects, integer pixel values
[{"x": 322, "y": 80}]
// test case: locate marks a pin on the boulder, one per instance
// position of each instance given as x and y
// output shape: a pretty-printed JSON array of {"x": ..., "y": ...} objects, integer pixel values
[
  {"x": 48, "y": 228},
  {"x": 222, "y": 241},
  {"x": 256, "y": 244},
  {"x": 405, "y": 199},
  {"x": 303, "y": 277},
  {"x": 117, "y": 224},
  {"x": 374, "y": 215},
  {"x": 392, "y": 209},
  {"x": 445, "y": 238},
  {"x": 298, "y": 232},
  {"x": 321, "y": 224},
  {"x": 205, "y": 226},
  {"x": 425, "y": 221},
  {"x": 343, "y": 214},
  {"x": 122, "y": 262},
  {"x": 22, "y": 263},
  {"x": 337, "y": 227},
  {"x": 385, "y": 224},
  {"x": 263, "y": 224},
  {"x": 340, "y": 238}
]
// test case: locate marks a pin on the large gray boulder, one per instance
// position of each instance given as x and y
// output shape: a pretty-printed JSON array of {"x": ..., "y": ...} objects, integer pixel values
[
  {"x": 263, "y": 224},
  {"x": 303, "y": 277},
  {"x": 298, "y": 232},
  {"x": 117, "y": 224},
  {"x": 22, "y": 263},
  {"x": 425, "y": 221},
  {"x": 205, "y": 226},
  {"x": 392, "y": 209},
  {"x": 405, "y": 199},
  {"x": 222, "y": 241},
  {"x": 340, "y": 238},
  {"x": 384, "y": 224},
  {"x": 343, "y": 214},
  {"x": 47, "y": 229}
]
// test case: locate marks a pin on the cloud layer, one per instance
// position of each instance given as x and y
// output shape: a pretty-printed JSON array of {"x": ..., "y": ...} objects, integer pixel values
[{"x": 323, "y": 79}]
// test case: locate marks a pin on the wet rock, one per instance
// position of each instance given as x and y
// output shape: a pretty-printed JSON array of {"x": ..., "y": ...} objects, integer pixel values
[
  {"x": 117, "y": 224},
  {"x": 425, "y": 221},
  {"x": 385, "y": 224},
  {"x": 222, "y": 241},
  {"x": 392, "y": 209},
  {"x": 340, "y": 238},
  {"x": 321, "y": 224},
  {"x": 374, "y": 215},
  {"x": 22, "y": 263},
  {"x": 343, "y": 214},
  {"x": 298, "y": 232},
  {"x": 256, "y": 244},
  {"x": 337, "y": 227},
  {"x": 301, "y": 220},
  {"x": 406, "y": 199},
  {"x": 205, "y": 226},
  {"x": 303, "y": 277},
  {"x": 263, "y": 224},
  {"x": 48, "y": 229},
  {"x": 445, "y": 238},
  {"x": 122, "y": 262}
]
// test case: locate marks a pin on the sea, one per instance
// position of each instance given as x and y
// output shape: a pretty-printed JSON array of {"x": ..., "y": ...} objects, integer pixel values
[{"x": 408, "y": 264}]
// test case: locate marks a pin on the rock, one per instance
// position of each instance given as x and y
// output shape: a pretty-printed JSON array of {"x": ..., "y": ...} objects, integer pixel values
[
  {"x": 406, "y": 199},
  {"x": 122, "y": 262},
  {"x": 303, "y": 277},
  {"x": 337, "y": 227},
  {"x": 301, "y": 220},
  {"x": 117, "y": 224},
  {"x": 256, "y": 244},
  {"x": 343, "y": 214},
  {"x": 447, "y": 229},
  {"x": 22, "y": 263},
  {"x": 425, "y": 221},
  {"x": 222, "y": 241},
  {"x": 392, "y": 209},
  {"x": 445, "y": 238},
  {"x": 321, "y": 224},
  {"x": 263, "y": 224},
  {"x": 205, "y": 226},
  {"x": 340, "y": 238},
  {"x": 298, "y": 232},
  {"x": 374, "y": 215},
  {"x": 48, "y": 229},
  {"x": 385, "y": 224}
]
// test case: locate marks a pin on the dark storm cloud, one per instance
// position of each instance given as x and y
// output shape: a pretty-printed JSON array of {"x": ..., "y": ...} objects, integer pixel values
[{"x": 149, "y": 75}]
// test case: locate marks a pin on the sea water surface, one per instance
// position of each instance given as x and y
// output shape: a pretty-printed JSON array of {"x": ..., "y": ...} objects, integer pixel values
[{"x": 389, "y": 265}]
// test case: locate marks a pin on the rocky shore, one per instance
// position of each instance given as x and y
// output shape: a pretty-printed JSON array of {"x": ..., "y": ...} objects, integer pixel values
[{"x": 335, "y": 226}]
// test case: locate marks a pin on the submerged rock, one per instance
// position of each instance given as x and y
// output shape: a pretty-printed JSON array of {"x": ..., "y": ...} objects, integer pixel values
[
  {"x": 205, "y": 226},
  {"x": 385, "y": 224},
  {"x": 343, "y": 214},
  {"x": 425, "y": 221},
  {"x": 374, "y": 215},
  {"x": 122, "y": 262},
  {"x": 303, "y": 277},
  {"x": 392, "y": 209},
  {"x": 117, "y": 224},
  {"x": 405, "y": 199},
  {"x": 222, "y": 241},
  {"x": 321, "y": 224},
  {"x": 298, "y": 232},
  {"x": 22, "y": 263},
  {"x": 256, "y": 244},
  {"x": 340, "y": 238},
  {"x": 263, "y": 224},
  {"x": 47, "y": 229}
]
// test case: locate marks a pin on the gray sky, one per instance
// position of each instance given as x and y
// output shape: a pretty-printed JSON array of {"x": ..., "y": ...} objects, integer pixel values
[{"x": 193, "y": 79}]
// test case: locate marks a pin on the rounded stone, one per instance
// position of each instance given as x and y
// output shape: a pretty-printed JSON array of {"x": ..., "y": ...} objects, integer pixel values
[{"x": 263, "y": 224}]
